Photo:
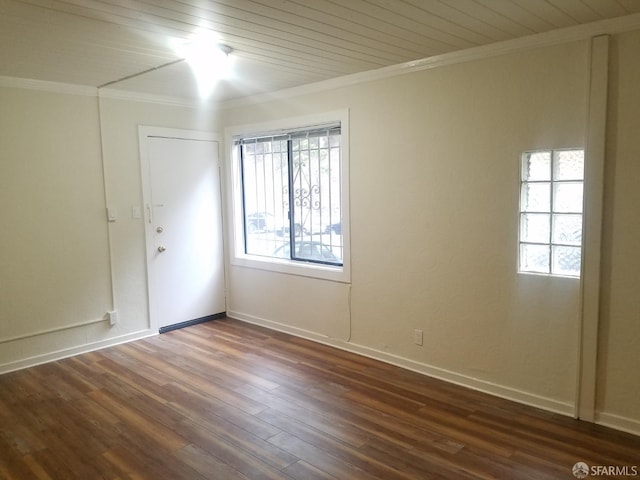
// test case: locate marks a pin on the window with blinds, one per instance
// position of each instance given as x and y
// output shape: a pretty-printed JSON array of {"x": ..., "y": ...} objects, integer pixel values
[{"x": 291, "y": 194}]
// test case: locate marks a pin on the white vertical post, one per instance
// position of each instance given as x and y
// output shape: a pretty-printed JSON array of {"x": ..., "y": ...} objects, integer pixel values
[{"x": 592, "y": 227}]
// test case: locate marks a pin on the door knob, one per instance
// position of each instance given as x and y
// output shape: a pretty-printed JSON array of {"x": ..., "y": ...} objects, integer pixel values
[
  {"x": 162, "y": 248},
  {"x": 159, "y": 229}
]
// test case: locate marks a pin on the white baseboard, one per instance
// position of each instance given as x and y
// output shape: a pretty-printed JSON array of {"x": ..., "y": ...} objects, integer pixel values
[
  {"x": 425, "y": 369},
  {"x": 618, "y": 422},
  {"x": 73, "y": 351}
]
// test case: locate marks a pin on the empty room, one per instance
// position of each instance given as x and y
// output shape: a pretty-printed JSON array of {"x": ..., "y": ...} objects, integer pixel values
[{"x": 319, "y": 239}]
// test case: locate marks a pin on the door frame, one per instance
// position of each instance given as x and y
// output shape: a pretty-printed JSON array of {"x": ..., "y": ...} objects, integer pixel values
[{"x": 144, "y": 132}]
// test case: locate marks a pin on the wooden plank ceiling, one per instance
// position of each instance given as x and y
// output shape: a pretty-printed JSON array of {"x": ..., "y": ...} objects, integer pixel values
[{"x": 277, "y": 43}]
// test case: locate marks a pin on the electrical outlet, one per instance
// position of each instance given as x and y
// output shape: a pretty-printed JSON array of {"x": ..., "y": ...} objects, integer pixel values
[
  {"x": 113, "y": 317},
  {"x": 417, "y": 337}
]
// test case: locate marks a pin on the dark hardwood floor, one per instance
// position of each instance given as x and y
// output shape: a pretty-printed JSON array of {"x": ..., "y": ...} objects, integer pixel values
[{"x": 225, "y": 400}]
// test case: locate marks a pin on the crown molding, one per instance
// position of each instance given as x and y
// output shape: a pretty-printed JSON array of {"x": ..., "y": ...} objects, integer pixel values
[
  {"x": 554, "y": 37},
  {"x": 132, "y": 96},
  {"x": 46, "y": 86},
  {"x": 88, "y": 91}
]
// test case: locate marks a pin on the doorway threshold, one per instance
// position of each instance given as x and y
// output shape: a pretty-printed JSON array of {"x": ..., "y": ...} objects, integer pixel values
[{"x": 189, "y": 323}]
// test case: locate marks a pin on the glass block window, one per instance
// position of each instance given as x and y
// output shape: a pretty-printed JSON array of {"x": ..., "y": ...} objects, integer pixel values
[{"x": 551, "y": 192}]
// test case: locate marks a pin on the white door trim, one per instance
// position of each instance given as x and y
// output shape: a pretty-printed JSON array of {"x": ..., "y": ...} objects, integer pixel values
[{"x": 144, "y": 132}]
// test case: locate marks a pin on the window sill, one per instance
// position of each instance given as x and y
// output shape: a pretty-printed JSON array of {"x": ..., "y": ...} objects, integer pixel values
[
  {"x": 549, "y": 275},
  {"x": 289, "y": 267}
]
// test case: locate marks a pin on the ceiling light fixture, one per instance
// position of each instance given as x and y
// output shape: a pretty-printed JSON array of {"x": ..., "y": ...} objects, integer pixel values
[
  {"x": 210, "y": 60},
  {"x": 226, "y": 49}
]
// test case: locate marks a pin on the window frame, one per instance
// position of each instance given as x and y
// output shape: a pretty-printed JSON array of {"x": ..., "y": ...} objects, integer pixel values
[
  {"x": 236, "y": 227},
  {"x": 552, "y": 182}
]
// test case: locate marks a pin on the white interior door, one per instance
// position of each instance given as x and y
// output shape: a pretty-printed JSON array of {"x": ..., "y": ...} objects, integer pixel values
[{"x": 184, "y": 231}]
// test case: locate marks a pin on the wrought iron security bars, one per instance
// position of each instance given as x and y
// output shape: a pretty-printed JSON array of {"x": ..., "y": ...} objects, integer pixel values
[{"x": 292, "y": 196}]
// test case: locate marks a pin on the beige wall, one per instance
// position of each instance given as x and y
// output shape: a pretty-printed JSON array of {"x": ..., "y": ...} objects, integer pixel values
[
  {"x": 54, "y": 265},
  {"x": 55, "y": 242},
  {"x": 434, "y": 188},
  {"x": 619, "y": 353},
  {"x": 434, "y": 195}
]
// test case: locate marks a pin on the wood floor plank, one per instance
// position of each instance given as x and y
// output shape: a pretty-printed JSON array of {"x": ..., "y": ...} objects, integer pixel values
[
  {"x": 38, "y": 471},
  {"x": 205, "y": 410},
  {"x": 333, "y": 447},
  {"x": 156, "y": 435},
  {"x": 236, "y": 458},
  {"x": 301, "y": 470},
  {"x": 319, "y": 458},
  {"x": 138, "y": 462},
  {"x": 202, "y": 383},
  {"x": 422, "y": 463},
  {"x": 358, "y": 418},
  {"x": 243, "y": 441},
  {"x": 12, "y": 465},
  {"x": 227, "y": 400},
  {"x": 208, "y": 465}
]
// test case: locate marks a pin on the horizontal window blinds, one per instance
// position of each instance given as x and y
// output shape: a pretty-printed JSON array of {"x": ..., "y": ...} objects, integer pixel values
[{"x": 315, "y": 131}]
